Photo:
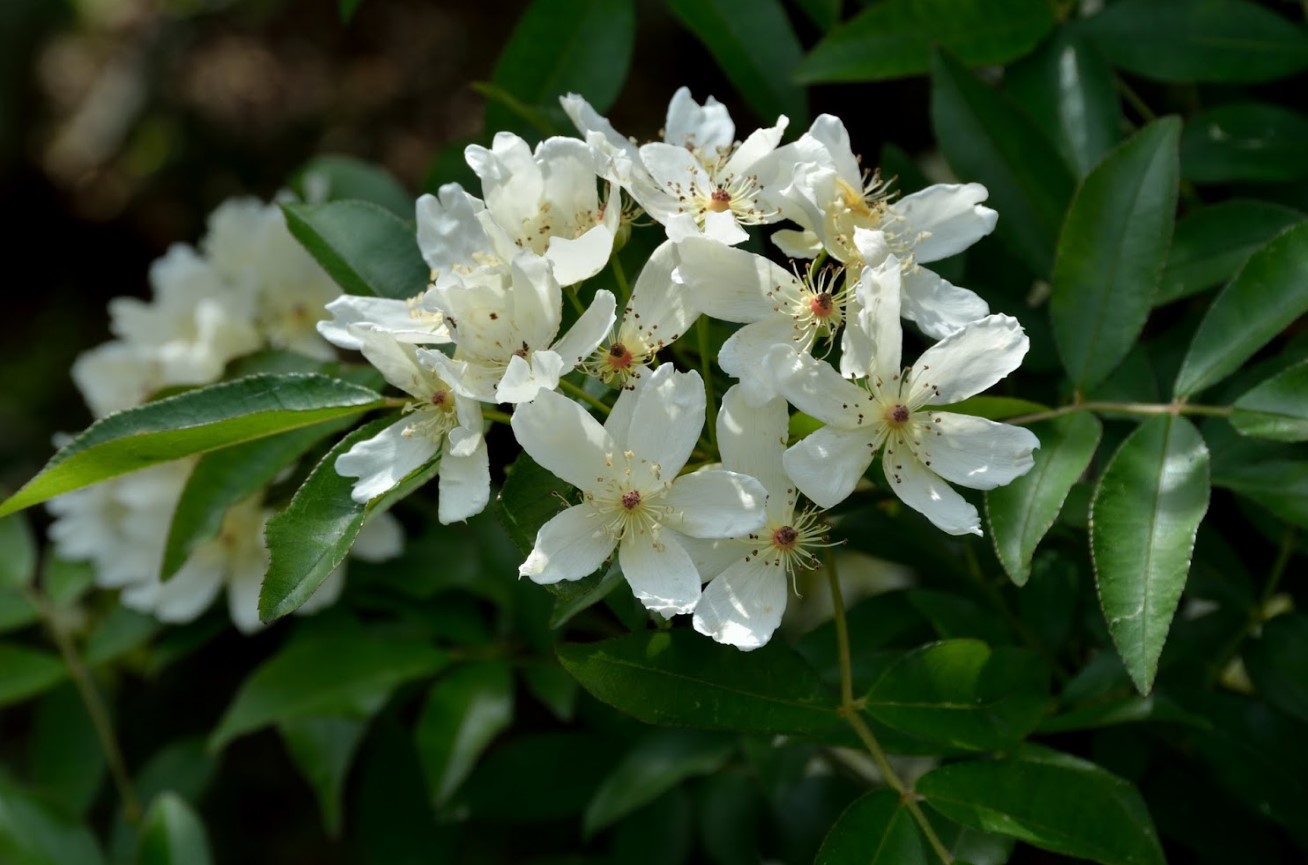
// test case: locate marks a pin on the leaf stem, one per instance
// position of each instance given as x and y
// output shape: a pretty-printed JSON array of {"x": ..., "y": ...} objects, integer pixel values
[
  {"x": 706, "y": 370},
  {"x": 582, "y": 394},
  {"x": 496, "y": 415},
  {"x": 1256, "y": 616},
  {"x": 104, "y": 728},
  {"x": 1141, "y": 408},
  {"x": 1134, "y": 99},
  {"x": 849, "y": 710},
  {"x": 575, "y": 299},
  {"x": 620, "y": 277}
]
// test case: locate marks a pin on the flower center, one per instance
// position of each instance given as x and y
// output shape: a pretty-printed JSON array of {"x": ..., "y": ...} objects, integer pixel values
[
  {"x": 719, "y": 200},
  {"x": 619, "y": 356},
  {"x": 897, "y": 415},
  {"x": 631, "y": 499},
  {"x": 821, "y": 305},
  {"x": 785, "y": 537}
]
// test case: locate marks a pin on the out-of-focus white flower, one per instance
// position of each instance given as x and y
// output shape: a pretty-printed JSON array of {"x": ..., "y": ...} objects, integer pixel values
[
  {"x": 633, "y": 499},
  {"x": 890, "y": 412},
  {"x": 504, "y": 322},
  {"x": 743, "y": 603},
  {"x": 698, "y": 180},
  {"x": 442, "y": 419},
  {"x": 833, "y": 200}
]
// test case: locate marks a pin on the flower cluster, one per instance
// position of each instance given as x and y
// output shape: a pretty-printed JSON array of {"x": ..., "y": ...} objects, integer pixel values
[
  {"x": 249, "y": 287},
  {"x": 681, "y": 507}
]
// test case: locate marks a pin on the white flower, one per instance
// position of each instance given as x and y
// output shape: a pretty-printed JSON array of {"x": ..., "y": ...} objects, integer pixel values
[
  {"x": 440, "y": 419},
  {"x": 406, "y": 320},
  {"x": 251, "y": 248},
  {"x": 548, "y": 202},
  {"x": 778, "y": 307},
  {"x": 633, "y": 499},
  {"x": 743, "y": 604},
  {"x": 504, "y": 321},
  {"x": 698, "y": 180},
  {"x": 921, "y": 448},
  {"x": 832, "y": 200},
  {"x": 659, "y": 312}
]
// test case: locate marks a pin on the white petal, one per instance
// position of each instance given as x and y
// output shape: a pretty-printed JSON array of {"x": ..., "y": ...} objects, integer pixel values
[
  {"x": 742, "y": 606},
  {"x": 464, "y": 485},
  {"x": 588, "y": 331},
  {"x": 877, "y": 297},
  {"x": 394, "y": 317},
  {"x": 660, "y": 572},
  {"x": 449, "y": 232},
  {"x": 975, "y": 452},
  {"x": 511, "y": 180},
  {"x": 243, "y": 599},
  {"x": 660, "y": 310},
  {"x": 575, "y": 259},
  {"x": 730, "y": 284},
  {"x": 938, "y": 306},
  {"x": 562, "y": 437},
  {"x": 827, "y": 464},
  {"x": 187, "y": 594},
  {"x": 537, "y": 302},
  {"x": 829, "y": 131},
  {"x": 523, "y": 380},
  {"x": 968, "y": 361},
  {"x": 951, "y": 214},
  {"x": 667, "y": 419},
  {"x": 711, "y": 556},
  {"x": 384, "y": 460},
  {"x": 706, "y": 127},
  {"x": 925, "y": 492},
  {"x": 744, "y": 355},
  {"x": 815, "y": 388},
  {"x": 397, "y": 361},
  {"x": 752, "y": 439},
  {"x": 797, "y": 244},
  {"x": 756, "y": 147},
  {"x": 716, "y": 504},
  {"x": 587, "y": 120},
  {"x": 381, "y": 538},
  {"x": 723, "y": 228},
  {"x": 570, "y": 546}
]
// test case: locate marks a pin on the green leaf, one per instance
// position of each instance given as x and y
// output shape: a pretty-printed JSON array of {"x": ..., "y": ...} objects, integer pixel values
[
  {"x": 323, "y": 748},
  {"x": 17, "y": 552},
  {"x": 332, "y": 177},
  {"x": 876, "y": 830},
  {"x": 1281, "y": 486},
  {"x": 1067, "y": 88},
  {"x": 1111, "y": 253},
  {"x": 823, "y": 13},
  {"x": 65, "y": 581},
  {"x": 753, "y": 42},
  {"x": 894, "y": 38},
  {"x": 118, "y": 633},
  {"x": 1264, "y": 298},
  {"x": 1185, "y": 40},
  {"x": 313, "y": 535},
  {"x": 1143, "y": 518},
  {"x": 367, "y": 249},
  {"x": 16, "y": 610},
  {"x": 570, "y": 598},
  {"x": 1053, "y": 801},
  {"x": 26, "y": 672},
  {"x": 464, "y": 712},
  {"x": 531, "y": 497},
  {"x": 1211, "y": 244},
  {"x": 1247, "y": 141},
  {"x": 963, "y": 694},
  {"x": 1021, "y": 513},
  {"x": 224, "y": 478},
  {"x": 659, "y": 762},
  {"x": 1277, "y": 409},
  {"x": 332, "y": 673},
  {"x": 172, "y": 834},
  {"x": 560, "y": 47},
  {"x": 33, "y": 833},
  {"x": 988, "y": 138},
  {"x": 679, "y": 678},
  {"x": 65, "y": 760},
  {"x": 1127, "y": 710},
  {"x": 198, "y": 421}
]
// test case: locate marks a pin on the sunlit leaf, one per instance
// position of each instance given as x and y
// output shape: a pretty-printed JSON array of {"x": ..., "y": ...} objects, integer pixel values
[
  {"x": 1111, "y": 253},
  {"x": 1143, "y": 519},
  {"x": 198, "y": 421}
]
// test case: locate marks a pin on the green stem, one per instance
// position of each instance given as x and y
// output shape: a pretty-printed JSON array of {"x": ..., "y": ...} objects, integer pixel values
[
  {"x": 496, "y": 415},
  {"x": 1134, "y": 99},
  {"x": 706, "y": 370},
  {"x": 583, "y": 395},
  {"x": 620, "y": 277},
  {"x": 849, "y": 710},
  {"x": 1141, "y": 408},
  {"x": 104, "y": 728},
  {"x": 575, "y": 299},
  {"x": 1288, "y": 544}
]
